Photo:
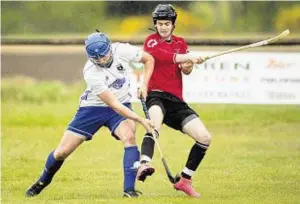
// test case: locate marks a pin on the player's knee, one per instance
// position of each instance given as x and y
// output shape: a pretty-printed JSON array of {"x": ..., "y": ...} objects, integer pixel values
[
  {"x": 61, "y": 153},
  {"x": 207, "y": 138},
  {"x": 204, "y": 137},
  {"x": 129, "y": 139}
]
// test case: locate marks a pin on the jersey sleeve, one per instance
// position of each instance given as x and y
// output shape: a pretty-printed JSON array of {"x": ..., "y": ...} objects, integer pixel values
[
  {"x": 129, "y": 52},
  {"x": 151, "y": 45},
  {"x": 95, "y": 81},
  {"x": 185, "y": 48}
]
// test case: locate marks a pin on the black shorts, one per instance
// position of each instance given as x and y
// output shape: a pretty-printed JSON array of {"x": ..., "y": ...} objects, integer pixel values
[{"x": 176, "y": 112}]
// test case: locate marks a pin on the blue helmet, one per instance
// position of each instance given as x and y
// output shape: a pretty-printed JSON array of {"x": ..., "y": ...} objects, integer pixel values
[{"x": 97, "y": 45}]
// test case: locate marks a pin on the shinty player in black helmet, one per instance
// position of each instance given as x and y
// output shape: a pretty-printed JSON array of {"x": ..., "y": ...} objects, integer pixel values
[
  {"x": 164, "y": 12},
  {"x": 164, "y": 100}
]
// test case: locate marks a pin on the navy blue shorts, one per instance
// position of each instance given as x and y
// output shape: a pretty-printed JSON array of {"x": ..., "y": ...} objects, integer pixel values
[{"x": 88, "y": 120}]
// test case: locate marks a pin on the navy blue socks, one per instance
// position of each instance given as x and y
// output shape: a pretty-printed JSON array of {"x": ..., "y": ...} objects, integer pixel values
[
  {"x": 131, "y": 155},
  {"x": 51, "y": 167}
]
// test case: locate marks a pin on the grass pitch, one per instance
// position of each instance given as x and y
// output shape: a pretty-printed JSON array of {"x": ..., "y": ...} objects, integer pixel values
[{"x": 254, "y": 156}]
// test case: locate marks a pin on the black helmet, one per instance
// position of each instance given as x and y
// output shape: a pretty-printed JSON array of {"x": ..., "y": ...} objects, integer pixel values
[{"x": 164, "y": 12}]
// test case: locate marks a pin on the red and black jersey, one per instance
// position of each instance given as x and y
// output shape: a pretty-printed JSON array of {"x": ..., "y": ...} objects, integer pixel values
[{"x": 166, "y": 75}]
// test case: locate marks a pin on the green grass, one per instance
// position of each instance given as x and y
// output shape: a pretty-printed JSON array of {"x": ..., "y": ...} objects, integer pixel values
[{"x": 254, "y": 156}]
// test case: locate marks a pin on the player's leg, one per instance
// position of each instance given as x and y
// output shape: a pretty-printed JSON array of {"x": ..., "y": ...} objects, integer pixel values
[
  {"x": 147, "y": 149},
  {"x": 125, "y": 131},
  {"x": 156, "y": 113},
  {"x": 197, "y": 130},
  {"x": 69, "y": 142},
  {"x": 181, "y": 117},
  {"x": 84, "y": 125}
]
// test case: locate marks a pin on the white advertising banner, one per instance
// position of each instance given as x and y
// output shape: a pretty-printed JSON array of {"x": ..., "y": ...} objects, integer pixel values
[{"x": 245, "y": 78}]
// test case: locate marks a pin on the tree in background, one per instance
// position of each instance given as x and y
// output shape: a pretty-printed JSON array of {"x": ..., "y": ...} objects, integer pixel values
[
  {"x": 252, "y": 16},
  {"x": 137, "y": 8},
  {"x": 289, "y": 18},
  {"x": 51, "y": 17},
  {"x": 132, "y": 18}
]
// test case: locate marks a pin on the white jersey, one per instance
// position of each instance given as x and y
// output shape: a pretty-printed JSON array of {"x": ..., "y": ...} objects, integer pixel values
[{"x": 116, "y": 78}]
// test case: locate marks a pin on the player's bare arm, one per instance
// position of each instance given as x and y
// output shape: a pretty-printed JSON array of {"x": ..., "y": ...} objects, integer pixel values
[
  {"x": 111, "y": 100},
  {"x": 148, "y": 62},
  {"x": 186, "y": 67},
  {"x": 182, "y": 58},
  {"x": 161, "y": 54}
]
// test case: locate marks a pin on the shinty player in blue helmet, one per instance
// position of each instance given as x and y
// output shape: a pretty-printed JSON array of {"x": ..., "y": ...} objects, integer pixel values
[
  {"x": 98, "y": 49},
  {"x": 105, "y": 102}
]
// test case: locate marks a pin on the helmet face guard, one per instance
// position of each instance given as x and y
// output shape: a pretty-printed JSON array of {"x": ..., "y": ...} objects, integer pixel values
[
  {"x": 103, "y": 61},
  {"x": 97, "y": 47},
  {"x": 164, "y": 12}
]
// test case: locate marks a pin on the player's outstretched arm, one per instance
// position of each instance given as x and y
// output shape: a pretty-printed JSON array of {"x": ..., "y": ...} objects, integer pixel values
[
  {"x": 148, "y": 62},
  {"x": 186, "y": 67},
  {"x": 182, "y": 58},
  {"x": 110, "y": 99}
]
